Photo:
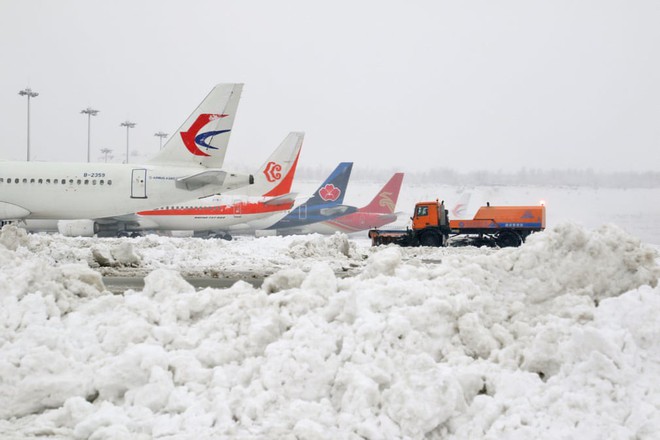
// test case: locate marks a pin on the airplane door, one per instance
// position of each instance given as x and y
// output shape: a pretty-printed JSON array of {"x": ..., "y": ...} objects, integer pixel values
[
  {"x": 238, "y": 206},
  {"x": 139, "y": 184},
  {"x": 302, "y": 212}
]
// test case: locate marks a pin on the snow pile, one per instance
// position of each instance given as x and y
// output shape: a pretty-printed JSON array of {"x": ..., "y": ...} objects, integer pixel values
[
  {"x": 12, "y": 237},
  {"x": 336, "y": 246},
  {"x": 37, "y": 303},
  {"x": 119, "y": 255},
  {"x": 556, "y": 339},
  {"x": 554, "y": 262},
  {"x": 283, "y": 280}
]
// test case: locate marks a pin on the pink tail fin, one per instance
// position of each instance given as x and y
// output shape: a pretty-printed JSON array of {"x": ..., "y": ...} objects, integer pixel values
[{"x": 385, "y": 201}]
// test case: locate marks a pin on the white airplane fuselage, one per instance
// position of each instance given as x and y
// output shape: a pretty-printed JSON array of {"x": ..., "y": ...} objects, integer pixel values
[
  {"x": 41, "y": 190},
  {"x": 217, "y": 213}
]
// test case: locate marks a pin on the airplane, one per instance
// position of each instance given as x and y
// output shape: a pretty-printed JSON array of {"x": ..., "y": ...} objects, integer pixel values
[
  {"x": 217, "y": 215},
  {"x": 379, "y": 212},
  {"x": 188, "y": 166},
  {"x": 324, "y": 204}
]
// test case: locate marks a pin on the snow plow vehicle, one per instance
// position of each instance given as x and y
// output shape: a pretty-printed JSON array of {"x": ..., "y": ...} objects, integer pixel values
[{"x": 503, "y": 226}]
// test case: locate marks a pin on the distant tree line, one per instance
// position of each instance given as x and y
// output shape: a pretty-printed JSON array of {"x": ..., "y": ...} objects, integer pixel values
[{"x": 524, "y": 176}]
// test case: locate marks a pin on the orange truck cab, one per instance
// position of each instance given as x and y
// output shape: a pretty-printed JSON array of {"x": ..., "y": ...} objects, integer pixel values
[{"x": 429, "y": 214}]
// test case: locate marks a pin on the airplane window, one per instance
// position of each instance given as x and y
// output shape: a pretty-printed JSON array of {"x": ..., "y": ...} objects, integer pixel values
[
  {"x": 47, "y": 180},
  {"x": 15, "y": 180},
  {"x": 70, "y": 181},
  {"x": 24, "y": 180},
  {"x": 40, "y": 181},
  {"x": 31, "y": 180},
  {"x": 94, "y": 182},
  {"x": 78, "y": 181},
  {"x": 1, "y": 180},
  {"x": 101, "y": 182},
  {"x": 109, "y": 182},
  {"x": 8, "y": 180},
  {"x": 86, "y": 181},
  {"x": 56, "y": 181},
  {"x": 63, "y": 181}
]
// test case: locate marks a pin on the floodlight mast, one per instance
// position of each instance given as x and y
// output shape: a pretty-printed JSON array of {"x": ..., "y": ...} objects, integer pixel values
[
  {"x": 128, "y": 124},
  {"x": 161, "y": 135},
  {"x": 106, "y": 152},
  {"x": 30, "y": 94},
  {"x": 89, "y": 112}
]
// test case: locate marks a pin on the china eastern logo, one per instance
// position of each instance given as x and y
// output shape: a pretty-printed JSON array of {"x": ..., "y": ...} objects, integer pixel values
[
  {"x": 273, "y": 171},
  {"x": 194, "y": 141},
  {"x": 329, "y": 193}
]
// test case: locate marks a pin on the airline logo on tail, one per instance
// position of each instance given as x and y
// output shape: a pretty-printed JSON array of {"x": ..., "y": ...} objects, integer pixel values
[
  {"x": 273, "y": 171},
  {"x": 193, "y": 141},
  {"x": 461, "y": 207},
  {"x": 329, "y": 193},
  {"x": 386, "y": 201}
]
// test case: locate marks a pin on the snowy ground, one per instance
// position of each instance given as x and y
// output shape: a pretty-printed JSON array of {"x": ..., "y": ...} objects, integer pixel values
[{"x": 556, "y": 339}]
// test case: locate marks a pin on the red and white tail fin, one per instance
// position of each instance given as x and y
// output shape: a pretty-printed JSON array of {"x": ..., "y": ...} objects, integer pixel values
[
  {"x": 275, "y": 177},
  {"x": 204, "y": 137},
  {"x": 459, "y": 210},
  {"x": 385, "y": 201}
]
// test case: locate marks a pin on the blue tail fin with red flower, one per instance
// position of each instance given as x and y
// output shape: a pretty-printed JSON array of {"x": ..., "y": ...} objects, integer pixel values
[
  {"x": 325, "y": 204},
  {"x": 333, "y": 189}
]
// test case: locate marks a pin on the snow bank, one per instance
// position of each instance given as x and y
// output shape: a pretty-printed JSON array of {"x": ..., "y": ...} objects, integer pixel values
[
  {"x": 121, "y": 254},
  {"x": 556, "y": 339},
  {"x": 12, "y": 237},
  {"x": 336, "y": 246},
  {"x": 36, "y": 368},
  {"x": 194, "y": 257}
]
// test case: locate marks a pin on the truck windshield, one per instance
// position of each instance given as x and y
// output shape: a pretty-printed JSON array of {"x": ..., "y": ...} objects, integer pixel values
[{"x": 422, "y": 211}]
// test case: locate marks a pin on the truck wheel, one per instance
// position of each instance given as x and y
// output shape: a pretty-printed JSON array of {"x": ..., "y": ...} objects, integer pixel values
[
  {"x": 430, "y": 238},
  {"x": 508, "y": 239}
]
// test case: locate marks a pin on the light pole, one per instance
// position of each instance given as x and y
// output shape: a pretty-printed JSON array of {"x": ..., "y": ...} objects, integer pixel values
[
  {"x": 161, "y": 135},
  {"x": 30, "y": 94},
  {"x": 128, "y": 124},
  {"x": 106, "y": 152},
  {"x": 89, "y": 112}
]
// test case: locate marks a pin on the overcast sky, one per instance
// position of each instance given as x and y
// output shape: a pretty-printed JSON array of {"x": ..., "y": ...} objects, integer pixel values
[{"x": 496, "y": 85}]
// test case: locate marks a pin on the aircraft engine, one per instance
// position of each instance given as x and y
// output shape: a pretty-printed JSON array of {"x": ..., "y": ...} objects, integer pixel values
[{"x": 77, "y": 228}]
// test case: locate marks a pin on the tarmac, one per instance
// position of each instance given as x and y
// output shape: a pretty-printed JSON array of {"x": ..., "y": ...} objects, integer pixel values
[{"x": 118, "y": 284}]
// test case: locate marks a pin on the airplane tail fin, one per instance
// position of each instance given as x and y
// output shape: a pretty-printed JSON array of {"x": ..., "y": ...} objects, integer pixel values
[
  {"x": 275, "y": 176},
  {"x": 203, "y": 138},
  {"x": 459, "y": 210},
  {"x": 333, "y": 189},
  {"x": 385, "y": 200}
]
